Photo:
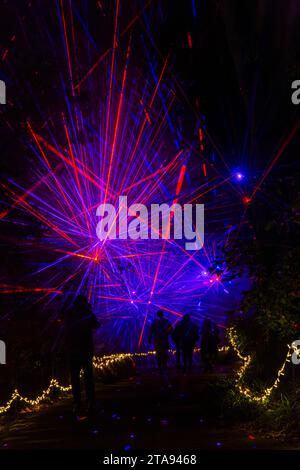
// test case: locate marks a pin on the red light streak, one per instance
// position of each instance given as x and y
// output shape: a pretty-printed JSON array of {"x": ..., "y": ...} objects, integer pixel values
[
  {"x": 67, "y": 46},
  {"x": 107, "y": 127},
  {"x": 190, "y": 40},
  {"x": 277, "y": 156},
  {"x": 180, "y": 179},
  {"x": 117, "y": 120}
]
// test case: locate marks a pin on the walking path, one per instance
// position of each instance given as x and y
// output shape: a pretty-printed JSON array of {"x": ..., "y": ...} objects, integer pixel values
[{"x": 137, "y": 413}]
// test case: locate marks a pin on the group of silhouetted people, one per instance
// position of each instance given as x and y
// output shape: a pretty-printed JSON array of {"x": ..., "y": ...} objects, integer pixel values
[
  {"x": 80, "y": 323},
  {"x": 185, "y": 334}
]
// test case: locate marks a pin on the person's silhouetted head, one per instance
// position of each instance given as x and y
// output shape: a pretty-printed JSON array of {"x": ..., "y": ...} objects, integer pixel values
[
  {"x": 207, "y": 326},
  {"x": 160, "y": 314},
  {"x": 81, "y": 305},
  {"x": 186, "y": 318},
  {"x": 80, "y": 300}
]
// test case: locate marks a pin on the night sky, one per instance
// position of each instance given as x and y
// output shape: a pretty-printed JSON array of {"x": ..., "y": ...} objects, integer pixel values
[{"x": 155, "y": 99}]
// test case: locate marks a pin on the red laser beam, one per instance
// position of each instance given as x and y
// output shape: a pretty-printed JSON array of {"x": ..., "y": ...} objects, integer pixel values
[{"x": 276, "y": 157}]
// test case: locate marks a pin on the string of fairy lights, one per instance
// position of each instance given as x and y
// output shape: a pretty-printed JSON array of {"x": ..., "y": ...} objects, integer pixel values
[
  {"x": 263, "y": 396},
  {"x": 105, "y": 362},
  {"x": 99, "y": 363}
]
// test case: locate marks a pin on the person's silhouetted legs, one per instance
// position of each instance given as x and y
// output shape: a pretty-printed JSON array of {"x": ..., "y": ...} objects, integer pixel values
[
  {"x": 178, "y": 354},
  {"x": 190, "y": 358},
  {"x": 206, "y": 362},
  {"x": 187, "y": 354},
  {"x": 75, "y": 367},
  {"x": 162, "y": 360},
  {"x": 89, "y": 383}
]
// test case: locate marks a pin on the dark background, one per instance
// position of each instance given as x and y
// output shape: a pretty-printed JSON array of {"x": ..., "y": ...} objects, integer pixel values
[{"x": 235, "y": 80}]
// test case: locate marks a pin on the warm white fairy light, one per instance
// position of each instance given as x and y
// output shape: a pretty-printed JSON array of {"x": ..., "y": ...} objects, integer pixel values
[{"x": 244, "y": 390}]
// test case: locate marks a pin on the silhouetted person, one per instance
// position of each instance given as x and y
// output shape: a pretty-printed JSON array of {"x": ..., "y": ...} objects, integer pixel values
[
  {"x": 176, "y": 337},
  {"x": 216, "y": 342},
  {"x": 80, "y": 322},
  {"x": 188, "y": 337},
  {"x": 159, "y": 335},
  {"x": 207, "y": 345}
]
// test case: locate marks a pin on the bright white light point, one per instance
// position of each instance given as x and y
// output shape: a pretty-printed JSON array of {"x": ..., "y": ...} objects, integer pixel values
[{"x": 239, "y": 176}]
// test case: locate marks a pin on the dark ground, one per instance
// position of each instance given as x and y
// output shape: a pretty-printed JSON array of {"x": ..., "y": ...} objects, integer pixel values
[{"x": 137, "y": 413}]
